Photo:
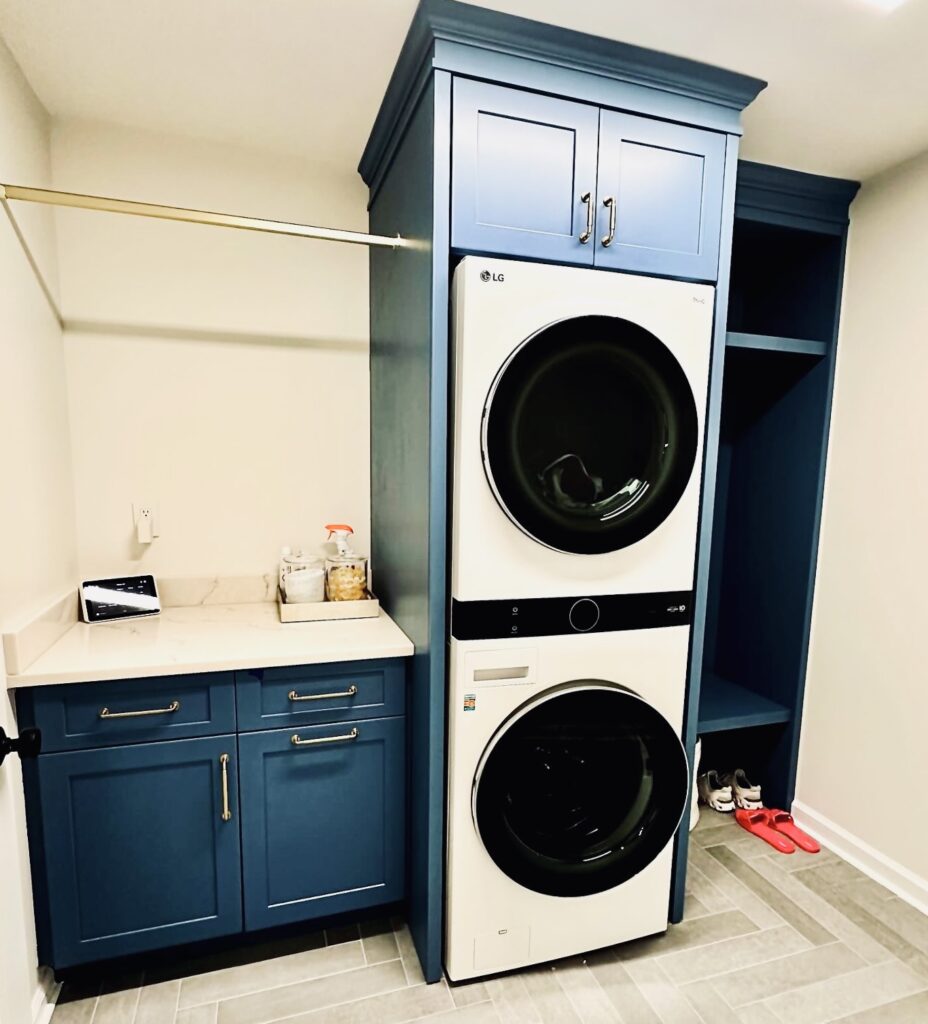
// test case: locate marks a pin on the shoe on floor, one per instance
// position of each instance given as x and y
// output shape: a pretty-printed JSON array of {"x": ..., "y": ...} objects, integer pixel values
[
  {"x": 746, "y": 794},
  {"x": 757, "y": 822},
  {"x": 714, "y": 792}
]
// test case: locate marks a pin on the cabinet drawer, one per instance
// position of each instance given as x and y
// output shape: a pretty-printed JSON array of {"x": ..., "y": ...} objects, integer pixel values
[
  {"x": 323, "y": 819},
  {"x": 269, "y": 698},
  {"x": 131, "y": 710}
]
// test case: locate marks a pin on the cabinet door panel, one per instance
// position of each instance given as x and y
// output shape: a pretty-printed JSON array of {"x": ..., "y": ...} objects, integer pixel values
[
  {"x": 324, "y": 824},
  {"x": 137, "y": 856},
  {"x": 521, "y": 162},
  {"x": 666, "y": 181}
]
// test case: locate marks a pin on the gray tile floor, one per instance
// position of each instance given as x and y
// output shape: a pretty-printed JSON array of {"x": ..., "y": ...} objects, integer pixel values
[{"x": 766, "y": 939}]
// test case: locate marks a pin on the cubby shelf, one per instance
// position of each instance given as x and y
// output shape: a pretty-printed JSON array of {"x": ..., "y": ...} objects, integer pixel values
[
  {"x": 772, "y": 343},
  {"x": 725, "y": 705}
]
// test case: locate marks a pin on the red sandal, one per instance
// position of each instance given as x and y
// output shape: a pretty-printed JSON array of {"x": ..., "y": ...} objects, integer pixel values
[
  {"x": 783, "y": 823},
  {"x": 756, "y": 822}
]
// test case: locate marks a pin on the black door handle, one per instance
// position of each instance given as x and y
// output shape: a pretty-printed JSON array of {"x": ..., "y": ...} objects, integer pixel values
[{"x": 28, "y": 745}]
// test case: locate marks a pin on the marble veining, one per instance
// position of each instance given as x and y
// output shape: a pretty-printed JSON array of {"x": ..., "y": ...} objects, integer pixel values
[{"x": 187, "y": 591}]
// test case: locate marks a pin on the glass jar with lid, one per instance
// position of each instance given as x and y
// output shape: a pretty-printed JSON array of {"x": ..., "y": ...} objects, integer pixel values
[{"x": 345, "y": 572}]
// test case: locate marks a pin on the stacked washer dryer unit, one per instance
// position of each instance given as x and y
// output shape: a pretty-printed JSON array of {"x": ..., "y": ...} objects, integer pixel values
[{"x": 578, "y": 423}]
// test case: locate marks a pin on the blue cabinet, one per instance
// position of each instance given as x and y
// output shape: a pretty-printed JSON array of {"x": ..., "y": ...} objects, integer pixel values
[
  {"x": 545, "y": 178},
  {"x": 140, "y": 848},
  {"x": 659, "y": 197},
  {"x": 324, "y": 819},
  {"x": 148, "y": 830},
  {"x": 522, "y": 164}
]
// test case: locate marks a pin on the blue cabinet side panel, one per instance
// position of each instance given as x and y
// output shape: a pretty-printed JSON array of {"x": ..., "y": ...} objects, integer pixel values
[
  {"x": 706, "y": 514},
  {"x": 409, "y": 395},
  {"x": 323, "y": 825},
  {"x": 136, "y": 854}
]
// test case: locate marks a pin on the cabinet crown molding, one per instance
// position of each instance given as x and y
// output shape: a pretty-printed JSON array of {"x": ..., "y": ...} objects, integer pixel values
[{"x": 439, "y": 22}]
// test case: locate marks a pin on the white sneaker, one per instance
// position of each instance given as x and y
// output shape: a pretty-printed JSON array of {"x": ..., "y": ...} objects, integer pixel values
[
  {"x": 715, "y": 792},
  {"x": 746, "y": 794},
  {"x": 694, "y": 809}
]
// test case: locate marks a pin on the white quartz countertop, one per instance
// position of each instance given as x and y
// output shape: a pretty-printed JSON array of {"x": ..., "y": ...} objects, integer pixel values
[{"x": 208, "y": 638}]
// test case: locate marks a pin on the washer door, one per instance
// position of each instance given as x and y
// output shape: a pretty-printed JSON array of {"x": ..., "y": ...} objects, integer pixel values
[
  {"x": 580, "y": 789},
  {"x": 590, "y": 434}
]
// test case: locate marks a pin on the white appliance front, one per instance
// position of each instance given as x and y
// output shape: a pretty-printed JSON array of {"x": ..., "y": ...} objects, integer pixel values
[
  {"x": 579, "y": 401},
  {"x": 566, "y": 782}
]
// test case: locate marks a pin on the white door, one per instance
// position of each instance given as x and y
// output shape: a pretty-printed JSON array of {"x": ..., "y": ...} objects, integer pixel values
[{"x": 19, "y": 982}]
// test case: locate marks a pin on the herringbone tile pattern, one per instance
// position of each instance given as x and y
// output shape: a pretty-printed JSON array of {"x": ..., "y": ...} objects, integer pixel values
[{"x": 767, "y": 939}]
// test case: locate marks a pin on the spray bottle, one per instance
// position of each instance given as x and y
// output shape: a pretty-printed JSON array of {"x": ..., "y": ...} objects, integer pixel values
[{"x": 345, "y": 572}]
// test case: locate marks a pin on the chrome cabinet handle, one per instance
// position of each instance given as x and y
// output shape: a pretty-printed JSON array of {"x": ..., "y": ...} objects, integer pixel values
[
  {"x": 170, "y": 709},
  {"x": 297, "y": 742},
  {"x": 587, "y": 233},
  {"x": 609, "y": 203},
  {"x": 226, "y": 810},
  {"x": 350, "y": 692}
]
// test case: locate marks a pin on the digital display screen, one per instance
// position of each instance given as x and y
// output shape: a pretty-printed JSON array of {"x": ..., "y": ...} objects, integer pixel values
[{"x": 122, "y": 598}]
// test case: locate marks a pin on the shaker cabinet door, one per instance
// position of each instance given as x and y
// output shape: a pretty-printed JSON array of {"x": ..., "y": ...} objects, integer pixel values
[
  {"x": 659, "y": 197},
  {"x": 324, "y": 819},
  {"x": 141, "y": 848},
  {"x": 521, "y": 165}
]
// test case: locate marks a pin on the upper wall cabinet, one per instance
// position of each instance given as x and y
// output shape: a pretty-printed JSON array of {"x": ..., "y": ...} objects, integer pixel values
[
  {"x": 546, "y": 178},
  {"x": 660, "y": 196},
  {"x": 524, "y": 177}
]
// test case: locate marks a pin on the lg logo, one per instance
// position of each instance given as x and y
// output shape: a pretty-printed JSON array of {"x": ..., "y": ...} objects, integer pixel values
[{"x": 485, "y": 275}]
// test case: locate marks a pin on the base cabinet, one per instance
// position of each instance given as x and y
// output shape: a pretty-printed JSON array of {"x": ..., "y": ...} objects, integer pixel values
[
  {"x": 323, "y": 821},
  {"x": 158, "y": 842},
  {"x": 141, "y": 847}
]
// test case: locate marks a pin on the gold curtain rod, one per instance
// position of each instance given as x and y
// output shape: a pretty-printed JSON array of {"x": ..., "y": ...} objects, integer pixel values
[{"x": 177, "y": 213}]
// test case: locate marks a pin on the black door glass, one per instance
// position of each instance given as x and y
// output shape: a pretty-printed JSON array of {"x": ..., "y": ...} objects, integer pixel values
[
  {"x": 590, "y": 434},
  {"x": 582, "y": 791}
]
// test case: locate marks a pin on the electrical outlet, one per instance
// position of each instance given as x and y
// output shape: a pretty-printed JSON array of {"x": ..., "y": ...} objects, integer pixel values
[{"x": 145, "y": 521}]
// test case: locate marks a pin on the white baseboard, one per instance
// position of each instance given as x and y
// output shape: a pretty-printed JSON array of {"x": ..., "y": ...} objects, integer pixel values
[
  {"x": 876, "y": 865},
  {"x": 46, "y": 995}
]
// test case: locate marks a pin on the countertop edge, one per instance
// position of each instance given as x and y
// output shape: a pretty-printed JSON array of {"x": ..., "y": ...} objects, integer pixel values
[
  {"x": 388, "y": 641},
  {"x": 25, "y": 679}
]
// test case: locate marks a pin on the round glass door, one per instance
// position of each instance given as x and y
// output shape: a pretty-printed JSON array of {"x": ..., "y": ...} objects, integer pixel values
[
  {"x": 580, "y": 789},
  {"x": 590, "y": 434}
]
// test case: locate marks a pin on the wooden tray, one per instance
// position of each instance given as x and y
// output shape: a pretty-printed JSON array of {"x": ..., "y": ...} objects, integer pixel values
[{"x": 326, "y": 611}]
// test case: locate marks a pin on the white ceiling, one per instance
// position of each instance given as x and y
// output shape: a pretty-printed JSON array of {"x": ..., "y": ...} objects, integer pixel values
[{"x": 848, "y": 91}]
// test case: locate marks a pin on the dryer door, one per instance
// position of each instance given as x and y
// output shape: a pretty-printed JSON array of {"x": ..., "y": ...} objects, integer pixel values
[
  {"x": 590, "y": 434},
  {"x": 580, "y": 789}
]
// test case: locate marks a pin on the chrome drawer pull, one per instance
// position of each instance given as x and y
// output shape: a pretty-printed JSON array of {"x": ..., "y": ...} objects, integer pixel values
[
  {"x": 584, "y": 236},
  {"x": 609, "y": 203},
  {"x": 297, "y": 742},
  {"x": 170, "y": 709},
  {"x": 350, "y": 692},
  {"x": 226, "y": 810}
]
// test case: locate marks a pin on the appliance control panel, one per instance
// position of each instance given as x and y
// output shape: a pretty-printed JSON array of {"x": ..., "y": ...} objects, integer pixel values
[{"x": 556, "y": 616}]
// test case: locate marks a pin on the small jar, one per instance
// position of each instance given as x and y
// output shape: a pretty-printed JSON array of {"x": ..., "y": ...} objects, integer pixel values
[
  {"x": 346, "y": 578},
  {"x": 302, "y": 578},
  {"x": 304, "y": 585}
]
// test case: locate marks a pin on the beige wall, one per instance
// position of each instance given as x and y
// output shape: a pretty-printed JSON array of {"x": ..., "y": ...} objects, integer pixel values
[
  {"x": 864, "y": 756},
  {"x": 37, "y": 550},
  {"x": 221, "y": 376}
]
